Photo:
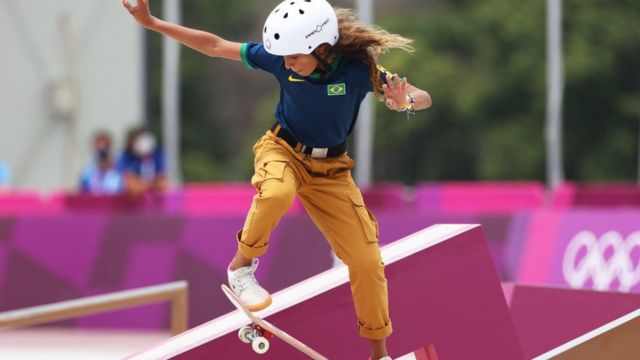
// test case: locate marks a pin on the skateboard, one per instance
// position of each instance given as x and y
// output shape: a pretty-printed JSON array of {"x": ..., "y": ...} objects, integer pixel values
[{"x": 259, "y": 333}]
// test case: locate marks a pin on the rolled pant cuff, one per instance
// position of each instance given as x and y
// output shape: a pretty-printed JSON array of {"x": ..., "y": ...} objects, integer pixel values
[
  {"x": 250, "y": 252},
  {"x": 376, "y": 334}
]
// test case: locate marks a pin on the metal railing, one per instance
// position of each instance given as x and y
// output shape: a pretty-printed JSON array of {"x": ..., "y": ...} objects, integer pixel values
[{"x": 175, "y": 292}]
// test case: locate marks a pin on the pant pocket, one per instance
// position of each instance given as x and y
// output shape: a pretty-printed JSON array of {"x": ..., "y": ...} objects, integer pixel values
[
  {"x": 365, "y": 217},
  {"x": 269, "y": 170}
]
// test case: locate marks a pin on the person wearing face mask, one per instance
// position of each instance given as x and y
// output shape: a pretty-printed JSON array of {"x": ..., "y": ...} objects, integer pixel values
[
  {"x": 142, "y": 164},
  {"x": 101, "y": 177}
]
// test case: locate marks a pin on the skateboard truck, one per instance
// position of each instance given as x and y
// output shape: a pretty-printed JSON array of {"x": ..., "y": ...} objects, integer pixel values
[{"x": 257, "y": 337}]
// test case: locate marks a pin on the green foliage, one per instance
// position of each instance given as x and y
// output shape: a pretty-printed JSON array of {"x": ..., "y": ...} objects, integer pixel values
[
  {"x": 484, "y": 64},
  {"x": 602, "y": 47}
]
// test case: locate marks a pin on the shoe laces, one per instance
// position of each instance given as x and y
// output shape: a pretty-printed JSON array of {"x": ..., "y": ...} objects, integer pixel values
[{"x": 244, "y": 277}]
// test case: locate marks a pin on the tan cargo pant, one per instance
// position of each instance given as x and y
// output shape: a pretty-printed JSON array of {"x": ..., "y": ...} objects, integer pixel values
[{"x": 335, "y": 204}]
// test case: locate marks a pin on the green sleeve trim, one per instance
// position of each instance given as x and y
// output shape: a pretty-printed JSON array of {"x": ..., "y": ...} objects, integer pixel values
[{"x": 243, "y": 55}]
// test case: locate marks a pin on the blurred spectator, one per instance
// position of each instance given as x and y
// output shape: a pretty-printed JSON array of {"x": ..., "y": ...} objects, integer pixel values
[
  {"x": 142, "y": 164},
  {"x": 101, "y": 177},
  {"x": 5, "y": 179}
]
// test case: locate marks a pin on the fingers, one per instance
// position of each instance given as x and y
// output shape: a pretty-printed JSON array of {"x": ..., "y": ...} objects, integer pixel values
[
  {"x": 400, "y": 89},
  {"x": 387, "y": 95},
  {"x": 132, "y": 5},
  {"x": 389, "y": 104},
  {"x": 395, "y": 91},
  {"x": 385, "y": 90},
  {"x": 391, "y": 86},
  {"x": 389, "y": 80},
  {"x": 395, "y": 84}
]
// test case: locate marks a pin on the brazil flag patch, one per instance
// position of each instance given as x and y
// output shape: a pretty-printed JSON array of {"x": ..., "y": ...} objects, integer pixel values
[{"x": 337, "y": 89}]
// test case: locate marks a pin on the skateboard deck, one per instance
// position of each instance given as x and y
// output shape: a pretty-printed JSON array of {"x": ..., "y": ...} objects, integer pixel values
[{"x": 258, "y": 335}]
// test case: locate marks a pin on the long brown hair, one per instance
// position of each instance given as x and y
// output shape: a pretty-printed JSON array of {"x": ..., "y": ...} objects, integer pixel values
[{"x": 366, "y": 42}]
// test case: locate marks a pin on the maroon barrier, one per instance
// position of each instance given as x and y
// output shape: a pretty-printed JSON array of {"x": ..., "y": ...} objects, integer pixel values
[
  {"x": 545, "y": 317},
  {"x": 456, "y": 197},
  {"x": 13, "y": 203},
  {"x": 479, "y": 198},
  {"x": 570, "y": 194}
]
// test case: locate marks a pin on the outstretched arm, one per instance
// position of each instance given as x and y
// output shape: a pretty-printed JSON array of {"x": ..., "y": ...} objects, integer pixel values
[
  {"x": 202, "y": 41},
  {"x": 396, "y": 91}
]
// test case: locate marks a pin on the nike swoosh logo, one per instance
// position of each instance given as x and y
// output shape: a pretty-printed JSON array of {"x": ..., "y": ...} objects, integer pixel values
[{"x": 292, "y": 79}]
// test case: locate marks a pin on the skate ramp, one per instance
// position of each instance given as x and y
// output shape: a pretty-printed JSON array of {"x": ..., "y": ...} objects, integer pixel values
[
  {"x": 547, "y": 317},
  {"x": 443, "y": 289}
]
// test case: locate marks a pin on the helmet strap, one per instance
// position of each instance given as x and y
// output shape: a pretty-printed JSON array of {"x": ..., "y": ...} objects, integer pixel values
[
  {"x": 322, "y": 61},
  {"x": 326, "y": 67}
]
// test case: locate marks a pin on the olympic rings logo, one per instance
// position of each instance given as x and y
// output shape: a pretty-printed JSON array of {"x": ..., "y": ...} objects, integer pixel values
[{"x": 603, "y": 260}]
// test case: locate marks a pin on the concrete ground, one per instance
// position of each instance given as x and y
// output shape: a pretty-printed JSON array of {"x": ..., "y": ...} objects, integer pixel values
[{"x": 74, "y": 344}]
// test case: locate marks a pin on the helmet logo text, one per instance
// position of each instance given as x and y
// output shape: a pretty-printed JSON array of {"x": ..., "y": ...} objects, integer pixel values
[{"x": 318, "y": 29}]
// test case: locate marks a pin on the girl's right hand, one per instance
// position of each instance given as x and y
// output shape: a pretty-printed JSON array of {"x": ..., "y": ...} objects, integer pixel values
[{"x": 140, "y": 12}]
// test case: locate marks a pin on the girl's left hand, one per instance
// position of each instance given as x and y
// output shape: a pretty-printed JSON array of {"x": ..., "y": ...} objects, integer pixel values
[{"x": 395, "y": 93}]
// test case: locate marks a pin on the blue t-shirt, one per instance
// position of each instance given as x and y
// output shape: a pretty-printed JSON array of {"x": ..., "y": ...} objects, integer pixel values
[
  {"x": 147, "y": 167},
  {"x": 319, "y": 113},
  {"x": 98, "y": 182}
]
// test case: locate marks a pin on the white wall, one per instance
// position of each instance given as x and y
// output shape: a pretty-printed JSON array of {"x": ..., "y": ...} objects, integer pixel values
[{"x": 106, "y": 57}]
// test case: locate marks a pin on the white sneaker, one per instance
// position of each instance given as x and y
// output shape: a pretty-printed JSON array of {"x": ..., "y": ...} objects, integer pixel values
[{"x": 244, "y": 284}]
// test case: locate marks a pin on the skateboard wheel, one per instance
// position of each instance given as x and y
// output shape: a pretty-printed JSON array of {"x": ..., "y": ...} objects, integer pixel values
[
  {"x": 244, "y": 334},
  {"x": 260, "y": 345}
]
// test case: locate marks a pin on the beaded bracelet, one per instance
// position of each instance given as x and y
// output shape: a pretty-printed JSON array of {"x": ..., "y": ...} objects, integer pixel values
[{"x": 410, "y": 108}]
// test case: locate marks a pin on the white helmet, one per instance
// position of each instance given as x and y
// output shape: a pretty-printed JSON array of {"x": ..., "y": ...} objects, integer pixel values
[{"x": 299, "y": 26}]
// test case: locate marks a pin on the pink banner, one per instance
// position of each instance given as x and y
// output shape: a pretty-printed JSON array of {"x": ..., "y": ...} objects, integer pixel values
[{"x": 583, "y": 249}]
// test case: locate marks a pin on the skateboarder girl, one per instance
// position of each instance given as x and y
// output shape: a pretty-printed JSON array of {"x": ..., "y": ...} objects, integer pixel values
[{"x": 325, "y": 63}]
